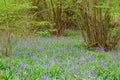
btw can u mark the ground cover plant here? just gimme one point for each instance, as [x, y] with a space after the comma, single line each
[59, 40]
[58, 59]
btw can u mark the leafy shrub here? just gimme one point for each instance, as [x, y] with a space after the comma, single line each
[42, 33]
[71, 33]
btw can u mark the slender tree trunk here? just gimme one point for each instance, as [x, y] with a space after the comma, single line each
[6, 43]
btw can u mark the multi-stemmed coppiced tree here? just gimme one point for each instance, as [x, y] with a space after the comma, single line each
[100, 26]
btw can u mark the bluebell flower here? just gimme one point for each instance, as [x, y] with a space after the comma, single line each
[82, 59]
[74, 60]
[38, 64]
[44, 76]
[21, 78]
[102, 61]
[87, 73]
[113, 55]
[19, 71]
[100, 48]
[23, 64]
[27, 53]
[25, 45]
[119, 50]
[51, 61]
[48, 78]
[81, 39]
[15, 53]
[40, 49]
[94, 72]
[35, 57]
[39, 79]
[78, 69]
[55, 60]
[61, 77]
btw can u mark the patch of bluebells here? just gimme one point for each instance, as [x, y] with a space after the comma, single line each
[38, 55]
[91, 73]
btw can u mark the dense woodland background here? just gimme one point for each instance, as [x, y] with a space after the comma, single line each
[59, 39]
[96, 20]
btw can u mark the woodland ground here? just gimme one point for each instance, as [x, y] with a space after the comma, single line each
[63, 58]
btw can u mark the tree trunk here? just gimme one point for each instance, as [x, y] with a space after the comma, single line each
[5, 44]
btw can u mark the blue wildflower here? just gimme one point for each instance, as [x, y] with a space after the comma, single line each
[39, 79]
[19, 71]
[15, 53]
[40, 49]
[78, 69]
[23, 64]
[87, 73]
[94, 72]
[118, 49]
[35, 57]
[48, 78]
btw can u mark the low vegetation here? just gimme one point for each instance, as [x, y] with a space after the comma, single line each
[58, 59]
[59, 40]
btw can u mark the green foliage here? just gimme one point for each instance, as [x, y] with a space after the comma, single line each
[62, 59]
[14, 13]
[42, 23]
[55, 70]
[71, 33]
[42, 33]
[8, 75]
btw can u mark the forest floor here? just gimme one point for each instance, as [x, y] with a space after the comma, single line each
[58, 59]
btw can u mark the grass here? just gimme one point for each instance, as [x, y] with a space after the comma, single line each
[58, 59]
